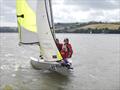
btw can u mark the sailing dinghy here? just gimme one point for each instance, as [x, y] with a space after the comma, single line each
[35, 25]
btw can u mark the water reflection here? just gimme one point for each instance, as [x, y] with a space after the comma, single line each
[31, 79]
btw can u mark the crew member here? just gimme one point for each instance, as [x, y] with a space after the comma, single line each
[69, 48]
[59, 45]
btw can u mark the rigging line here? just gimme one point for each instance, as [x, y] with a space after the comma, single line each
[47, 14]
[49, 23]
[51, 27]
[52, 20]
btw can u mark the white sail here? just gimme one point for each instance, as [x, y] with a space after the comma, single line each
[49, 50]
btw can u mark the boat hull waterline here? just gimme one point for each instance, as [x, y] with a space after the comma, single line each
[39, 64]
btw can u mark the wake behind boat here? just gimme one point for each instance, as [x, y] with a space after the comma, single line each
[35, 26]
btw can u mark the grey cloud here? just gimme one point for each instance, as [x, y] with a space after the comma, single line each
[9, 3]
[94, 4]
[7, 10]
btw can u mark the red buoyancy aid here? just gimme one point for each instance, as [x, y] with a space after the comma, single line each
[59, 46]
[69, 50]
[64, 54]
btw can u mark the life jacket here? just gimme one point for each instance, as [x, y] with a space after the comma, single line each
[69, 50]
[64, 52]
[59, 46]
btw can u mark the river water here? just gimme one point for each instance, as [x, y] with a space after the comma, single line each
[96, 62]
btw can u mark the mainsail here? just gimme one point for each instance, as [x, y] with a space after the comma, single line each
[46, 38]
[35, 24]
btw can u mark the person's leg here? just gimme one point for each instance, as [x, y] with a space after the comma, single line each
[63, 63]
[66, 61]
[68, 64]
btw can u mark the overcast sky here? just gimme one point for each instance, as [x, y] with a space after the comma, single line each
[68, 11]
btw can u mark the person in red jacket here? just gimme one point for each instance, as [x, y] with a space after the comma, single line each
[66, 53]
[69, 48]
[59, 45]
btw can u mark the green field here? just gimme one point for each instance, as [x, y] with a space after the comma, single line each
[101, 26]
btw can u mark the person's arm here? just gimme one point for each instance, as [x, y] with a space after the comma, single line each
[70, 51]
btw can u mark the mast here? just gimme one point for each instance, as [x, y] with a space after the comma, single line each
[53, 28]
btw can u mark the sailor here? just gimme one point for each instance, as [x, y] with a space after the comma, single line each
[66, 53]
[69, 48]
[59, 45]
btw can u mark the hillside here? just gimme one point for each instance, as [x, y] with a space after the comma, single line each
[90, 27]
[102, 26]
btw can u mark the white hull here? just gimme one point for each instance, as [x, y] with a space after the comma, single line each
[52, 66]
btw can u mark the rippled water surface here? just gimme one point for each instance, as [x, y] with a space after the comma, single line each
[96, 62]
